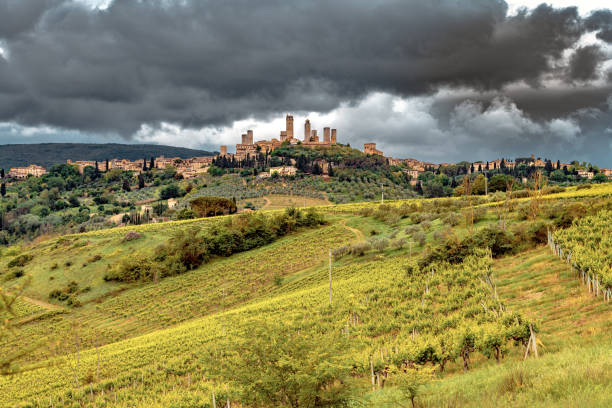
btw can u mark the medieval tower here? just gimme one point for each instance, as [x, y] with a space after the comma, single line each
[289, 127]
[307, 131]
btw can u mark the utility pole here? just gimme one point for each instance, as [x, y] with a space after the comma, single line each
[330, 278]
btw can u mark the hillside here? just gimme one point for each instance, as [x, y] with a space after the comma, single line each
[397, 312]
[48, 154]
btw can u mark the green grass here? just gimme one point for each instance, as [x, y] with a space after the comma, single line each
[165, 332]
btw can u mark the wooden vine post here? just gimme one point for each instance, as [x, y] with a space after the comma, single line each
[531, 344]
[330, 277]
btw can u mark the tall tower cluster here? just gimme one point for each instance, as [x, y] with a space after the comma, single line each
[330, 136]
[249, 148]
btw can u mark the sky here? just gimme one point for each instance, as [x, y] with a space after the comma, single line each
[443, 80]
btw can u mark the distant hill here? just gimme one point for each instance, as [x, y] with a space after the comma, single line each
[48, 154]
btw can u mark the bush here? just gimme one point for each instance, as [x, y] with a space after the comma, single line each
[14, 274]
[186, 214]
[21, 260]
[583, 186]
[67, 292]
[454, 250]
[131, 236]
[452, 219]
[419, 237]
[399, 243]
[360, 248]
[131, 269]
[380, 244]
[94, 258]
[340, 252]
[73, 301]
[426, 225]
[212, 206]
[188, 248]
[171, 191]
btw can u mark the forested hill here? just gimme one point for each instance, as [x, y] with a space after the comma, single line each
[48, 154]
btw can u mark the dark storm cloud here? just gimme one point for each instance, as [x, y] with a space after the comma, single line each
[17, 16]
[200, 63]
[584, 62]
[601, 21]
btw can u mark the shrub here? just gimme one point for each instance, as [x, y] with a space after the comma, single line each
[340, 252]
[419, 237]
[399, 243]
[366, 212]
[21, 260]
[186, 214]
[479, 214]
[131, 269]
[380, 244]
[452, 219]
[212, 206]
[360, 248]
[131, 236]
[67, 292]
[583, 186]
[94, 258]
[73, 301]
[14, 274]
[426, 225]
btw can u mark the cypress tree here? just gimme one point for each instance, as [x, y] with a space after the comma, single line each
[107, 166]
[152, 164]
[3, 189]
[144, 164]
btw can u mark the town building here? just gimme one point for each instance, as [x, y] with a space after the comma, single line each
[586, 174]
[370, 148]
[81, 164]
[283, 170]
[23, 172]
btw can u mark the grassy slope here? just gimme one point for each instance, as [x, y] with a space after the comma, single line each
[530, 282]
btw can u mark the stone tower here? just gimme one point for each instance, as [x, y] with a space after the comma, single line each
[307, 131]
[334, 135]
[314, 137]
[326, 135]
[289, 126]
[249, 139]
[223, 151]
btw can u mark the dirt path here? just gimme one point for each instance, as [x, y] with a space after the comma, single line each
[358, 234]
[42, 304]
[267, 204]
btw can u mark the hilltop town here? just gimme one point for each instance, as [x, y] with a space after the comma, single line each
[248, 149]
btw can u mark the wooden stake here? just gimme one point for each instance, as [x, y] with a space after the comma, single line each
[214, 401]
[372, 374]
[527, 349]
[330, 277]
[223, 307]
[76, 337]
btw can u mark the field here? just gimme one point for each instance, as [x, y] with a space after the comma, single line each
[397, 327]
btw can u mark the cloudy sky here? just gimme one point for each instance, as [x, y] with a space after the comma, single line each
[442, 80]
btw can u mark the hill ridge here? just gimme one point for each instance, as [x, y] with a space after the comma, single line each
[48, 154]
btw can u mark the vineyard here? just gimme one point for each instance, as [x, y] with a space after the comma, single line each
[587, 247]
[441, 302]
